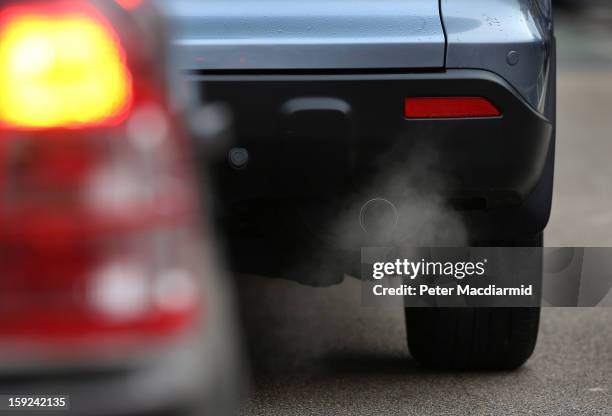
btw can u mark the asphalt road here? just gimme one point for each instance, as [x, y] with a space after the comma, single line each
[318, 351]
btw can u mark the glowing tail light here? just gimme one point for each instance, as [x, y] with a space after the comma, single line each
[449, 107]
[61, 66]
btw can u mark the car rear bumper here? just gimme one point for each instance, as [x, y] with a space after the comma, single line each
[322, 144]
[323, 135]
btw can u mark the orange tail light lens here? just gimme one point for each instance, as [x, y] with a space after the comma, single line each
[61, 66]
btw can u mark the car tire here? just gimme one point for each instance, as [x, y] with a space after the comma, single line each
[473, 339]
[469, 339]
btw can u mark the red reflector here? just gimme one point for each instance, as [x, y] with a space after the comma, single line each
[449, 107]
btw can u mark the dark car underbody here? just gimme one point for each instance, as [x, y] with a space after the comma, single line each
[319, 142]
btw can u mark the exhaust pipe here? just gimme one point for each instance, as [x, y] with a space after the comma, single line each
[379, 218]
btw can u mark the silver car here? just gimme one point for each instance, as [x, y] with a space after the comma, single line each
[443, 108]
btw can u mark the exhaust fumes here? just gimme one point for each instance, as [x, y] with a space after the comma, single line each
[403, 206]
[407, 206]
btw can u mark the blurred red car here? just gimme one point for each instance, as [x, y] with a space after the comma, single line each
[109, 296]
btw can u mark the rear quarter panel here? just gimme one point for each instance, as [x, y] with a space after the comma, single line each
[512, 38]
